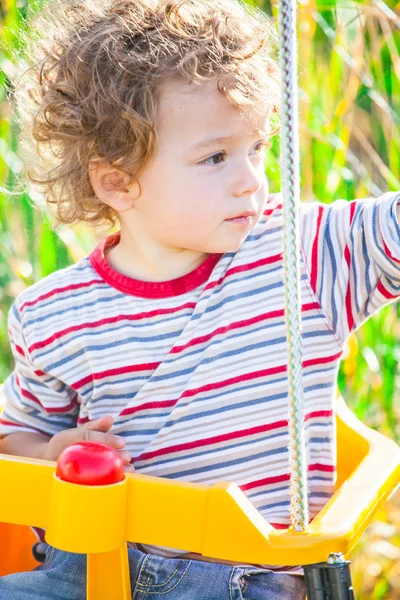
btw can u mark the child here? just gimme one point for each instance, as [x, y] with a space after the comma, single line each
[168, 342]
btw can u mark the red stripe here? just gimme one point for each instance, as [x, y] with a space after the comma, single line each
[12, 424]
[353, 206]
[310, 306]
[347, 256]
[349, 313]
[147, 405]
[236, 325]
[269, 211]
[266, 481]
[348, 303]
[4, 422]
[19, 350]
[60, 290]
[318, 413]
[389, 254]
[314, 254]
[40, 373]
[246, 267]
[285, 477]
[62, 409]
[321, 467]
[29, 395]
[240, 325]
[50, 410]
[112, 372]
[109, 321]
[206, 388]
[239, 379]
[385, 292]
[321, 360]
[212, 440]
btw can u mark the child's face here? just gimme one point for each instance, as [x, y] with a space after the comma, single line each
[192, 191]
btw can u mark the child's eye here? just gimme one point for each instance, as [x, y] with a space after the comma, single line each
[215, 159]
[260, 147]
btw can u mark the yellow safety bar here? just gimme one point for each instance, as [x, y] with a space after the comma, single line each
[99, 520]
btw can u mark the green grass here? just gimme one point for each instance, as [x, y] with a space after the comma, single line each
[349, 75]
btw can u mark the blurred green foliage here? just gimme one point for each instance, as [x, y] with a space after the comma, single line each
[349, 75]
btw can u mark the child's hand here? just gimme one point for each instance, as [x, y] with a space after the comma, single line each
[95, 431]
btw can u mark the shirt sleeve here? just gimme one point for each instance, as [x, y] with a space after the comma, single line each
[34, 401]
[352, 252]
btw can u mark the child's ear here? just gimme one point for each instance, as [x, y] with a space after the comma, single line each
[112, 186]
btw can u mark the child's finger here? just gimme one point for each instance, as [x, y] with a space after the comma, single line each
[129, 469]
[103, 424]
[89, 435]
[126, 457]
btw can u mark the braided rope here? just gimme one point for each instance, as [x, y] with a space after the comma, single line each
[291, 200]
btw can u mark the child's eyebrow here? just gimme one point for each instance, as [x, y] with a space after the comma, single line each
[213, 141]
[219, 140]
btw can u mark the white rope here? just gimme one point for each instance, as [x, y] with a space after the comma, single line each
[291, 200]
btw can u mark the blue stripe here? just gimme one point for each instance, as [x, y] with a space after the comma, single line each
[217, 340]
[266, 507]
[226, 408]
[84, 333]
[356, 218]
[68, 295]
[334, 314]
[261, 493]
[367, 280]
[319, 386]
[311, 424]
[313, 334]
[224, 464]
[72, 309]
[214, 450]
[243, 388]
[257, 236]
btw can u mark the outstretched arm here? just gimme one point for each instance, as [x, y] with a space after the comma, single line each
[352, 253]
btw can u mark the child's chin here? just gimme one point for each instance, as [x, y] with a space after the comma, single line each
[231, 247]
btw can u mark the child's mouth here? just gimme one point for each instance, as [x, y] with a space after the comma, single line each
[244, 219]
[240, 220]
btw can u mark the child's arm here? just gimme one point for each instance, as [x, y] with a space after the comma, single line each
[352, 251]
[40, 412]
[32, 445]
[38, 445]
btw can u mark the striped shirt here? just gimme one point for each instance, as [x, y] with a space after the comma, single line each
[194, 369]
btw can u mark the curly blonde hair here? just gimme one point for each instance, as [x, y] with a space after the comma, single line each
[93, 70]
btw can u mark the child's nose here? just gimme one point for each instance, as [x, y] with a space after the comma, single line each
[247, 179]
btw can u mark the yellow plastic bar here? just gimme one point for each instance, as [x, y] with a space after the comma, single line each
[108, 576]
[216, 521]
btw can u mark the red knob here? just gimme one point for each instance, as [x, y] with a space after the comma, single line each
[90, 463]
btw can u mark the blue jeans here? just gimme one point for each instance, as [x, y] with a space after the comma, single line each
[63, 577]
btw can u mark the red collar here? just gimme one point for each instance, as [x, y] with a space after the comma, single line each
[148, 289]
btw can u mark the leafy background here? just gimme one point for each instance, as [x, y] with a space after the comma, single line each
[349, 75]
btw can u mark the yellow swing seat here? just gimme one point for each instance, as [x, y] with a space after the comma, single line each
[194, 517]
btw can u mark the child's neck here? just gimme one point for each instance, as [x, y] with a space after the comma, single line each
[151, 262]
